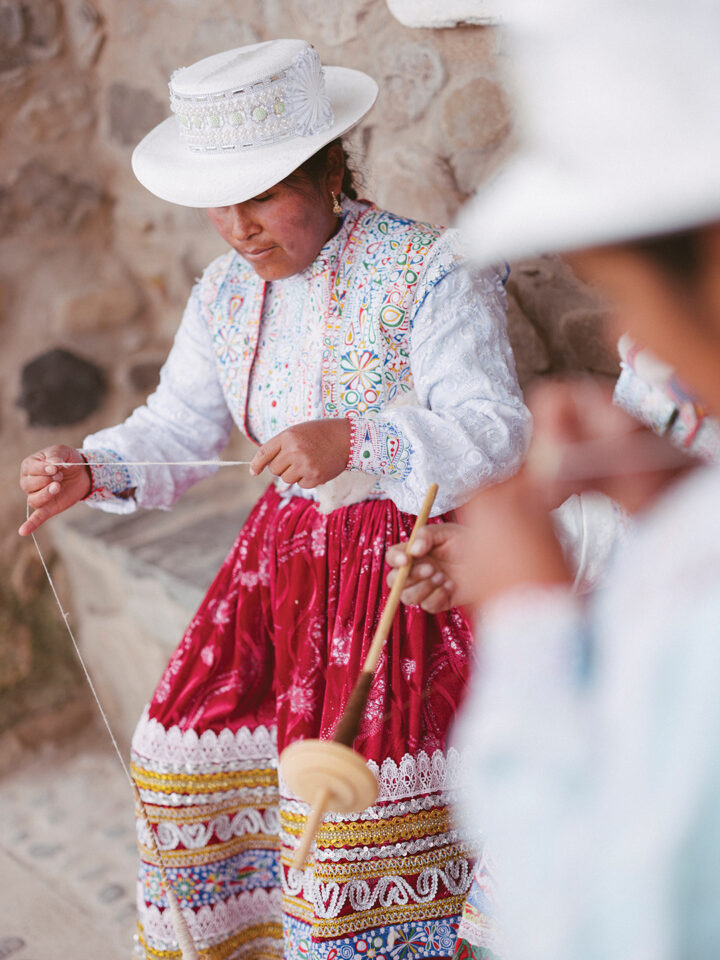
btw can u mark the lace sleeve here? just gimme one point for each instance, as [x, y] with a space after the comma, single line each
[186, 418]
[468, 425]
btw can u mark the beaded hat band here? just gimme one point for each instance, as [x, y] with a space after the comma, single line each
[244, 119]
[291, 103]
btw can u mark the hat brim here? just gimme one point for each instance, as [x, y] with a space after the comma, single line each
[171, 171]
[535, 206]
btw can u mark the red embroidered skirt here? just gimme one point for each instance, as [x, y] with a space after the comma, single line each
[271, 657]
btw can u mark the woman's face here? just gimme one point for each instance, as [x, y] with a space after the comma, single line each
[678, 320]
[281, 231]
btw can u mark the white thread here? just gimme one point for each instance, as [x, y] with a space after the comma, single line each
[182, 932]
[155, 463]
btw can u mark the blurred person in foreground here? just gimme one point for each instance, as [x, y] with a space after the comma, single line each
[594, 726]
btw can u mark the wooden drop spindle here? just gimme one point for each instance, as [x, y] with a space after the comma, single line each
[328, 774]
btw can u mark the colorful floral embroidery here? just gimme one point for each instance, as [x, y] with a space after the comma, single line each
[379, 448]
[401, 941]
[365, 285]
[111, 477]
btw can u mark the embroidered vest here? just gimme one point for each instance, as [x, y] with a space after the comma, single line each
[383, 270]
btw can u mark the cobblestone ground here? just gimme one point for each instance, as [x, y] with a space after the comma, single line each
[67, 855]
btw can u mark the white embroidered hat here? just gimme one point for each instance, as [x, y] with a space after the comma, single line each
[619, 126]
[245, 119]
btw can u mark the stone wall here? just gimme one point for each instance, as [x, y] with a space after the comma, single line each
[91, 264]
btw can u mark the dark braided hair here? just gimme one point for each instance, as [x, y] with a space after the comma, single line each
[315, 167]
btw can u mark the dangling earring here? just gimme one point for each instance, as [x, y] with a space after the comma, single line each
[337, 209]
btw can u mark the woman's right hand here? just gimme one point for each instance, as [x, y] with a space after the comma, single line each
[442, 575]
[51, 489]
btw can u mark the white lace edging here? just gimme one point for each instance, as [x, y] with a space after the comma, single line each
[195, 836]
[328, 899]
[407, 848]
[211, 924]
[262, 796]
[422, 773]
[153, 742]
[414, 775]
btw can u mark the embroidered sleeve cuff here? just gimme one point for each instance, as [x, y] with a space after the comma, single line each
[110, 476]
[378, 448]
[648, 403]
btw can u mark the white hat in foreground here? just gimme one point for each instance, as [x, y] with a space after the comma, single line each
[245, 119]
[619, 116]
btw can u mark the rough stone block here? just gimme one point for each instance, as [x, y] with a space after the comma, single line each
[108, 303]
[411, 74]
[145, 376]
[40, 198]
[30, 30]
[218, 33]
[585, 339]
[86, 30]
[476, 116]
[547, 291]
[334, 23]
[59, 388]
[16, 657]
[54, 114]
[27, 575]
[132, 113]
[476, 121]
[403, 175]
[531, 353]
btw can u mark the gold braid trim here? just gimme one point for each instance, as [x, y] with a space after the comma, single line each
[211, 853]
[203, 782]
[353, 923]
[363, 833]
[407, 866]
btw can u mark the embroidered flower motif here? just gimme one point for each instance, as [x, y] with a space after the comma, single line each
[300, 698]
[229, 345]
[371, 947]
[248, 579]
[213, 883]
[222, 613]
[360, 371]
[306, 99]
[207, 655]
[340, 649]
[407, 943]
[153, 885]
[184, 888]
[408, 668]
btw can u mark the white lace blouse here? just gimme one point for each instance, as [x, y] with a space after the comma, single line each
[466, 426]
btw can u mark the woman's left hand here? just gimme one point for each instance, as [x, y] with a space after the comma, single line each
[308, 454]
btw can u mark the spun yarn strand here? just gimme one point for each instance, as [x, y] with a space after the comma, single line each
[182, 931]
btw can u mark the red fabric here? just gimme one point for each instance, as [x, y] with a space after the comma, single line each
[283, 631]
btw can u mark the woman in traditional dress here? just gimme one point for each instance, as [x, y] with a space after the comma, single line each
[367, 361]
